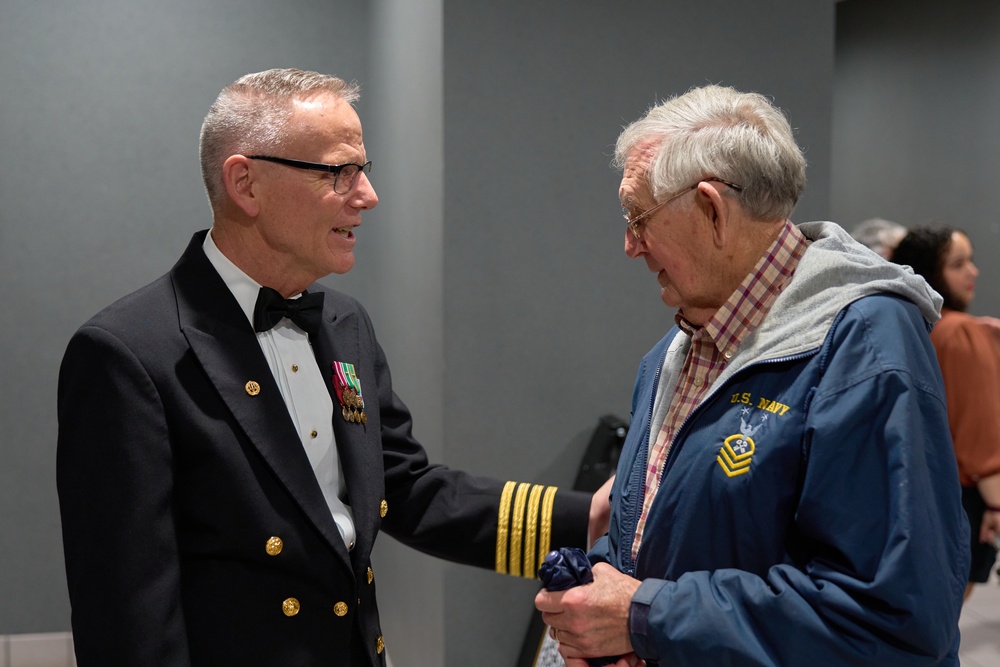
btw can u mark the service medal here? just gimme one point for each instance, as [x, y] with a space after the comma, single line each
[348, 388]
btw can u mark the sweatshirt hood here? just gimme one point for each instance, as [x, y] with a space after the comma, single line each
[834, 272]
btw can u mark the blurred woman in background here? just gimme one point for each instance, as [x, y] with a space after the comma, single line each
[970, 364]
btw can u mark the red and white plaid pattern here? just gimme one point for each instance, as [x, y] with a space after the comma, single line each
[715, 344]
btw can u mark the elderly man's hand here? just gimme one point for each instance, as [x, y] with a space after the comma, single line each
[591, 621]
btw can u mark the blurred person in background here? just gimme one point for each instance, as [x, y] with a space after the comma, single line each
[970, 363]
[880, 235]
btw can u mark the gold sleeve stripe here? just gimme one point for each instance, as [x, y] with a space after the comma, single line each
[524, 528]
[503, 526]
[517, 531]
[545, 534]
[531, 537]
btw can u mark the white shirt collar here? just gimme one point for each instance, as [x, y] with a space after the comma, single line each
[243, 287]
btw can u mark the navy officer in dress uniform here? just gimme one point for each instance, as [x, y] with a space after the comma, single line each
[229, 434]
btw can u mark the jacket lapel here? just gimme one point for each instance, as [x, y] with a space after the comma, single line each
[357, 443]
[227, 349]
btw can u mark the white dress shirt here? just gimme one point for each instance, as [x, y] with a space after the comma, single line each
[310, 406]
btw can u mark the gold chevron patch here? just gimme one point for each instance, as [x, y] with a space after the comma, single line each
[735, 455]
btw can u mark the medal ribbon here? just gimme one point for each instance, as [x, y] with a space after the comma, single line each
[348, 388]
[346, 378]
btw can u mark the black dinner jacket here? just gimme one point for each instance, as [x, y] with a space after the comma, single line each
[194, 529]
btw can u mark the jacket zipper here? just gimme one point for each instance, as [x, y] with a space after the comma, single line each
[630, 568]
[633, 564]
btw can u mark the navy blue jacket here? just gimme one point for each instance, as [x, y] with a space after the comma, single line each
[809, 510]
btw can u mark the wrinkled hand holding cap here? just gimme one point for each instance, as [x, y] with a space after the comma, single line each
[565, 568]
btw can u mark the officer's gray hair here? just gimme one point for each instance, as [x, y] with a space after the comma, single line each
[250, 115]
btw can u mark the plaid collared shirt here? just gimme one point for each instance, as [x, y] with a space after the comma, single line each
[715, 344]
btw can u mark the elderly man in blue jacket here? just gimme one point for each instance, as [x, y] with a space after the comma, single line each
[787, 494]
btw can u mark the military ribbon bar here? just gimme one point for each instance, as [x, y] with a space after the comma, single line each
[348, 388]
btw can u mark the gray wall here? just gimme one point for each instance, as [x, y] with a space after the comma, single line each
[404, 274]
[493, 267]
[915, 130]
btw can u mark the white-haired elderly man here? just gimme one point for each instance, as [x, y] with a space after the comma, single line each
[787, 494]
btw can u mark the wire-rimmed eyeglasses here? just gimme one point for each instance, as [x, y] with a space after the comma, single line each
[344, 174]
[634, 223]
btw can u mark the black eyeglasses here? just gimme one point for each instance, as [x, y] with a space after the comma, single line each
[633, 223]
[345, 174]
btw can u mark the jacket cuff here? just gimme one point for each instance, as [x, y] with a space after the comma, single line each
[571, 518]
[534, 519]
[638, 619]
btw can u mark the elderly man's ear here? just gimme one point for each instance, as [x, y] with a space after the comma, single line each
[717, 211]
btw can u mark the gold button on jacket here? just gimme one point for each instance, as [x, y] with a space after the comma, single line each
[371, 576]
[340, 609]
[290, 607]
[379, 645]
[383, 509]
[274, 546]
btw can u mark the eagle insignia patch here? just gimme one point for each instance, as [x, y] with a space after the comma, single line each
[737, 450]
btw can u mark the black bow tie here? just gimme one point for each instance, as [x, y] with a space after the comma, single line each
[306, 311]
